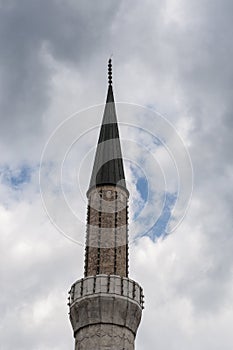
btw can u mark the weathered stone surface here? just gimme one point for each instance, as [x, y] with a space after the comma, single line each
[104, 337]
[110, 309]
[107, 232]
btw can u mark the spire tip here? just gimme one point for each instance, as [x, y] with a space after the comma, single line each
[110, 71]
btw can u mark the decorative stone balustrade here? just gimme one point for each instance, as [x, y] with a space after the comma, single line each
[106, 285]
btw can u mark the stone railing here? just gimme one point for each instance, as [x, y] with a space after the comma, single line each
[106, 285]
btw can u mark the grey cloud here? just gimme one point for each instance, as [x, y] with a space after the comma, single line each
[72, 32]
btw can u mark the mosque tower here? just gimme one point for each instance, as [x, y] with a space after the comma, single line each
[105, 305]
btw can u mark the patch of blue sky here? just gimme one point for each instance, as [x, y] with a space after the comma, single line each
[141, 183]
[16, 177]
[159, 228]
[142, 187]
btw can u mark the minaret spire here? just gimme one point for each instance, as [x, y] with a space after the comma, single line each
[108, 165]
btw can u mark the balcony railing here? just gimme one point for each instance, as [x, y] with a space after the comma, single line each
[106, 285]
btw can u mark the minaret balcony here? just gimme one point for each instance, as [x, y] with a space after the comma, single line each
[107, 299]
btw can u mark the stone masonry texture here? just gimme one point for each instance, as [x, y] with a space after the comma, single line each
[104, 337]
[107, 232]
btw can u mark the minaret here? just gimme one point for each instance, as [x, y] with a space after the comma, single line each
[105, 305]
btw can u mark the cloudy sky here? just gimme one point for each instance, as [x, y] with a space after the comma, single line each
[173, 57]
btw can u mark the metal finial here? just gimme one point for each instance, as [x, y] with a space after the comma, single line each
[110, 71]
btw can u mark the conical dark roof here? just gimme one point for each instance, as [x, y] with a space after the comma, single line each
[108, 165]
